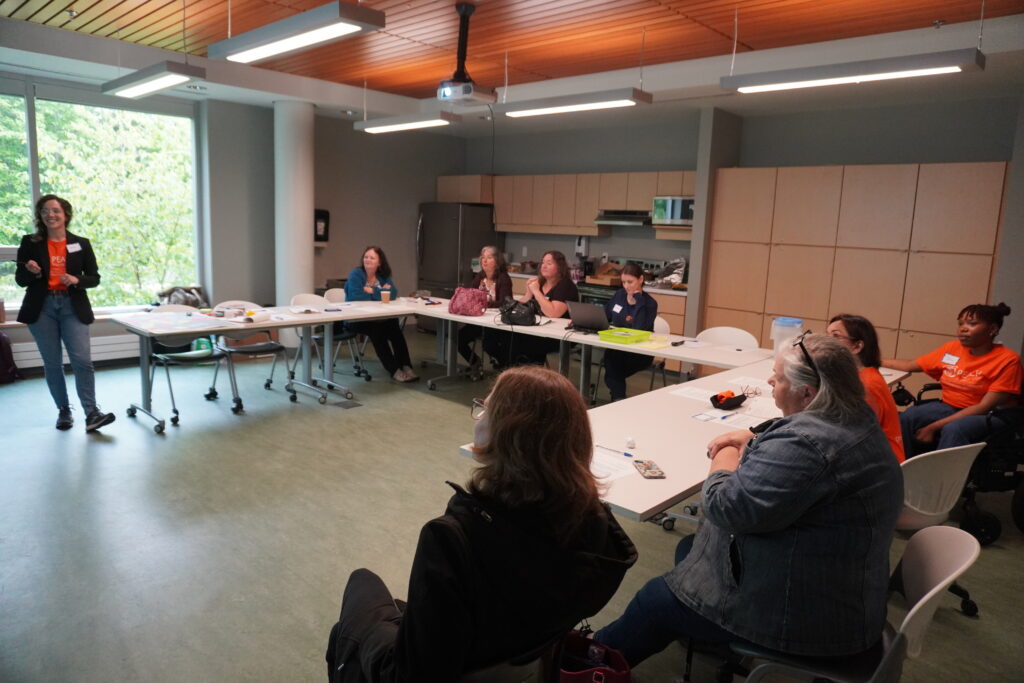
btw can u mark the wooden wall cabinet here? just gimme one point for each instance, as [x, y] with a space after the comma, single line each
[877, 206]
[938, 286]
[614, 187]
[807, 205]
[640, 191]
[543, 200]
[564, 209]
[519, 286]
[675, 183]
[799, 281]
[504, 193]
[957, 208]
[864, 282]
[588, 194]
[743, 205]
[737, 276]
[466, 188]
[522, 199]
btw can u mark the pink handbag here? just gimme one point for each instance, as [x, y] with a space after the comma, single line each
[468, 301]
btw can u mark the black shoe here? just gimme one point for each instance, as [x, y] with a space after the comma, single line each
[97, 418]
[64, 419]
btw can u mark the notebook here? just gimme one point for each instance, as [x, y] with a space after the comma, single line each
[587, 317]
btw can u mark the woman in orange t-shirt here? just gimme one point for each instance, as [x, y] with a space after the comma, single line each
[858, 334]
[976, 375]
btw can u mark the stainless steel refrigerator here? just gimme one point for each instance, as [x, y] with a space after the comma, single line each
[449, 236]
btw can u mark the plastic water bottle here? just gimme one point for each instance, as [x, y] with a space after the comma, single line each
[784, 329]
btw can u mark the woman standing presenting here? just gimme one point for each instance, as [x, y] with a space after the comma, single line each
[366, 283]
[634, 308]
[56, 267]
[493, 278]
[976, 375]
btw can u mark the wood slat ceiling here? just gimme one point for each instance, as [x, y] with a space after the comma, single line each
[542, 38]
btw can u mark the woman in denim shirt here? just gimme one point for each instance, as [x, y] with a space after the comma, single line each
[792, 551]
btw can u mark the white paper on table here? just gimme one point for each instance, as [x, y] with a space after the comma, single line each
[283, 316]
[692, 392]
[761, 406]
[304, 309]
[607, 467]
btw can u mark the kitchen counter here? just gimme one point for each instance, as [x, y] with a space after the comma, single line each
[649, 290]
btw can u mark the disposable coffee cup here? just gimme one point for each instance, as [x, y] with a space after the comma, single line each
[385, 296]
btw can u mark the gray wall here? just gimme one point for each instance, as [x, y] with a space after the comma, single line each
[237, 166]
[977, 130]
[373, 186]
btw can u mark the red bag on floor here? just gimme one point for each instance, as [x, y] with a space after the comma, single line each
[584, 661]
[468, 301]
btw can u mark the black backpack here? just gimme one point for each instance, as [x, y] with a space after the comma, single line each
[8, 370]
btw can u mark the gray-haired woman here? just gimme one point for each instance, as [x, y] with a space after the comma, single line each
[792, 551]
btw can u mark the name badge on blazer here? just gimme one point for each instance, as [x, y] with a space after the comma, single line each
[950, 359]
[73, 247]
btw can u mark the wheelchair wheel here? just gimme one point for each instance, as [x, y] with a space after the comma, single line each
[984, 526]
[1017, 506]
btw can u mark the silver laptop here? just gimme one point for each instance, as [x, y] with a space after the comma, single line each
[587, 317]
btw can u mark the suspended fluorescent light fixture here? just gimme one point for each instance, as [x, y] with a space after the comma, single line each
[911, 66]
[318, 26]
[393, 124]
[147, 81]
[564, 104]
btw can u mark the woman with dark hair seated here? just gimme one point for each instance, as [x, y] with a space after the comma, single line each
[371, 281]
[634, 308]
[792, 549]
[516, 560]
[493, 278]
[858, 334]
[549, 291]
[976, 375]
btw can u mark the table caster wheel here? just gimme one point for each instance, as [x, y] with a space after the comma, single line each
[237, 408]
[174, 421]
[131, 412]
[313, 382]
[668, 524]
[690, 510]
[349, 395]
[322, 400]
[158, 428]
[266, 385]
[293, 397]
[210, 395]
[984, 526]
[969, 608]
[367, 377]
[431, 386]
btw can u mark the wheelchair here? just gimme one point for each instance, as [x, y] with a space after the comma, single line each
[996, 469]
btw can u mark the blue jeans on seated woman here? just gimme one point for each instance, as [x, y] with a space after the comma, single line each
[58, 323]
[959, 432]
[655, 618]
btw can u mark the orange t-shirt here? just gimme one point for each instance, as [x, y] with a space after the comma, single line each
[58, 262]
[966, 378]
[878, 396]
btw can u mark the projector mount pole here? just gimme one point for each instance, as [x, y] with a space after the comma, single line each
[465, 11]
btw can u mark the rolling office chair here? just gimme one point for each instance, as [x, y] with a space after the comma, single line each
[350, 338]
[251, 350]
[933, 559]
[661, 327]
[168, 355]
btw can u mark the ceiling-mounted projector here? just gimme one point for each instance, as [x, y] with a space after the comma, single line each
[464, 91]
[460, 87]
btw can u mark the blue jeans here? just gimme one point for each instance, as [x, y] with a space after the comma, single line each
[959, 432]
[655, 618]
[58, 323]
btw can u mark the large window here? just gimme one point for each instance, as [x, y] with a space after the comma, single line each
[129, 176]
[15, 191]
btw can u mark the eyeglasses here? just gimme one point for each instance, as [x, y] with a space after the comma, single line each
[479, 407]
[44, 212]
[807, 356]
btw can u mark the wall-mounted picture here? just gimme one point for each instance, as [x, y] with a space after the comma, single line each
[321, 225]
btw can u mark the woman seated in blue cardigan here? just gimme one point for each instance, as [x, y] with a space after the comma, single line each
[365, 283]
[634, 308]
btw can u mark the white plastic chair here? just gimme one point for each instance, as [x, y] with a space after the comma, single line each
[933, 483]
[728, 336]
[932, 561]
[257, 349]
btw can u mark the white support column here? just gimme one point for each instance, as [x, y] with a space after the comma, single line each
[293, 199]
[293, 203]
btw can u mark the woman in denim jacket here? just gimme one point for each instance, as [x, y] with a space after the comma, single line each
[792, 551]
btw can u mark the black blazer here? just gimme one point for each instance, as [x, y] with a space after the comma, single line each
[81, 264]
